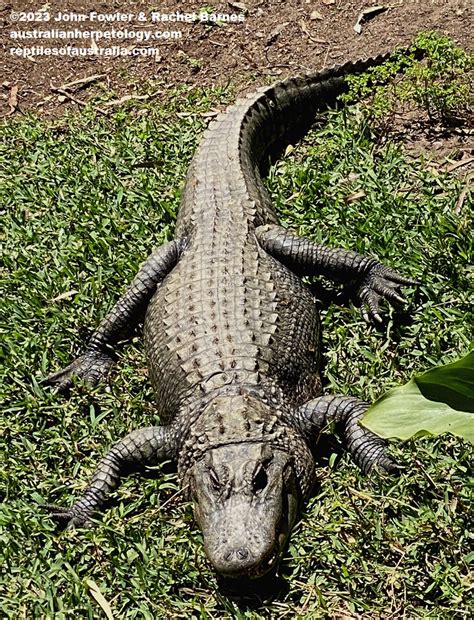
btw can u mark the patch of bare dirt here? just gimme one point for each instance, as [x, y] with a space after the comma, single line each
[274, 39]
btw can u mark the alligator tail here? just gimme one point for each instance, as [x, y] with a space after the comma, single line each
[281, 114]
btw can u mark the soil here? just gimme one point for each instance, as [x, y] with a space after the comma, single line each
[276, 38]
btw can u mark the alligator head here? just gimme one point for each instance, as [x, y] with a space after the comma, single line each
[247, 481]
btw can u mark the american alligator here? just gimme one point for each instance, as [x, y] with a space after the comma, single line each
[232, 338]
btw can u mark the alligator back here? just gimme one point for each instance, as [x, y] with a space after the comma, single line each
[230, 314]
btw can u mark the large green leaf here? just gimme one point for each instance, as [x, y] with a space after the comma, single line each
[439, 401]
[452, 384]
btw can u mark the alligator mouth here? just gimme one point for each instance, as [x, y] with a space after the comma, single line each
[257, 570]
[281, 538]
[265, 566]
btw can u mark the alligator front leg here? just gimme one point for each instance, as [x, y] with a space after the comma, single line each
[345, 412]
[96, 360]
[375, 281]
[142, 448]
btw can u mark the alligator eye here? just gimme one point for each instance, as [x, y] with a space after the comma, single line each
[216, 485]
[260, 480]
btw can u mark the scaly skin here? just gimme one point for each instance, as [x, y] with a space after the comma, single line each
[232, 339]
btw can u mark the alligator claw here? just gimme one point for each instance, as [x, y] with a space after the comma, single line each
[380, 283]
[66, 518]
[92, 366]
[61, 515]
[386, 465]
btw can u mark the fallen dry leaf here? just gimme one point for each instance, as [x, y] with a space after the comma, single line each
[276, 33]
[461, 199]
[100, 598]
[65, 295]
[316, 15]
[368, 14]
[238, 5]
[355, 196]
[12, 98]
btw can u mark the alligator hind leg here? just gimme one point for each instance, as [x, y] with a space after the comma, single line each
[375, 281]
[345, 412]
[96, 360]
[142, 448]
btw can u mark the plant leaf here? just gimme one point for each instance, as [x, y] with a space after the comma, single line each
[100, 598]
[452, 384]
[439, 401]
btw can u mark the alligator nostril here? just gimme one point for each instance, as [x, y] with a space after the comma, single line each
[240, 554]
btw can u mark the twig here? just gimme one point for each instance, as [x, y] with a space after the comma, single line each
[326, 56]
[65, 93]
[126, 98]
[217, 43]
[306, 31]
[83, 82]
[458, 164]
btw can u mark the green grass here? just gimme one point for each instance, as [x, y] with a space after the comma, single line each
[85, 198]
[439, 89]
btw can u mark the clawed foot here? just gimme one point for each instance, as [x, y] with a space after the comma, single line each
[380, 283]
[92, 366]
[67, 518]
[385, 465]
